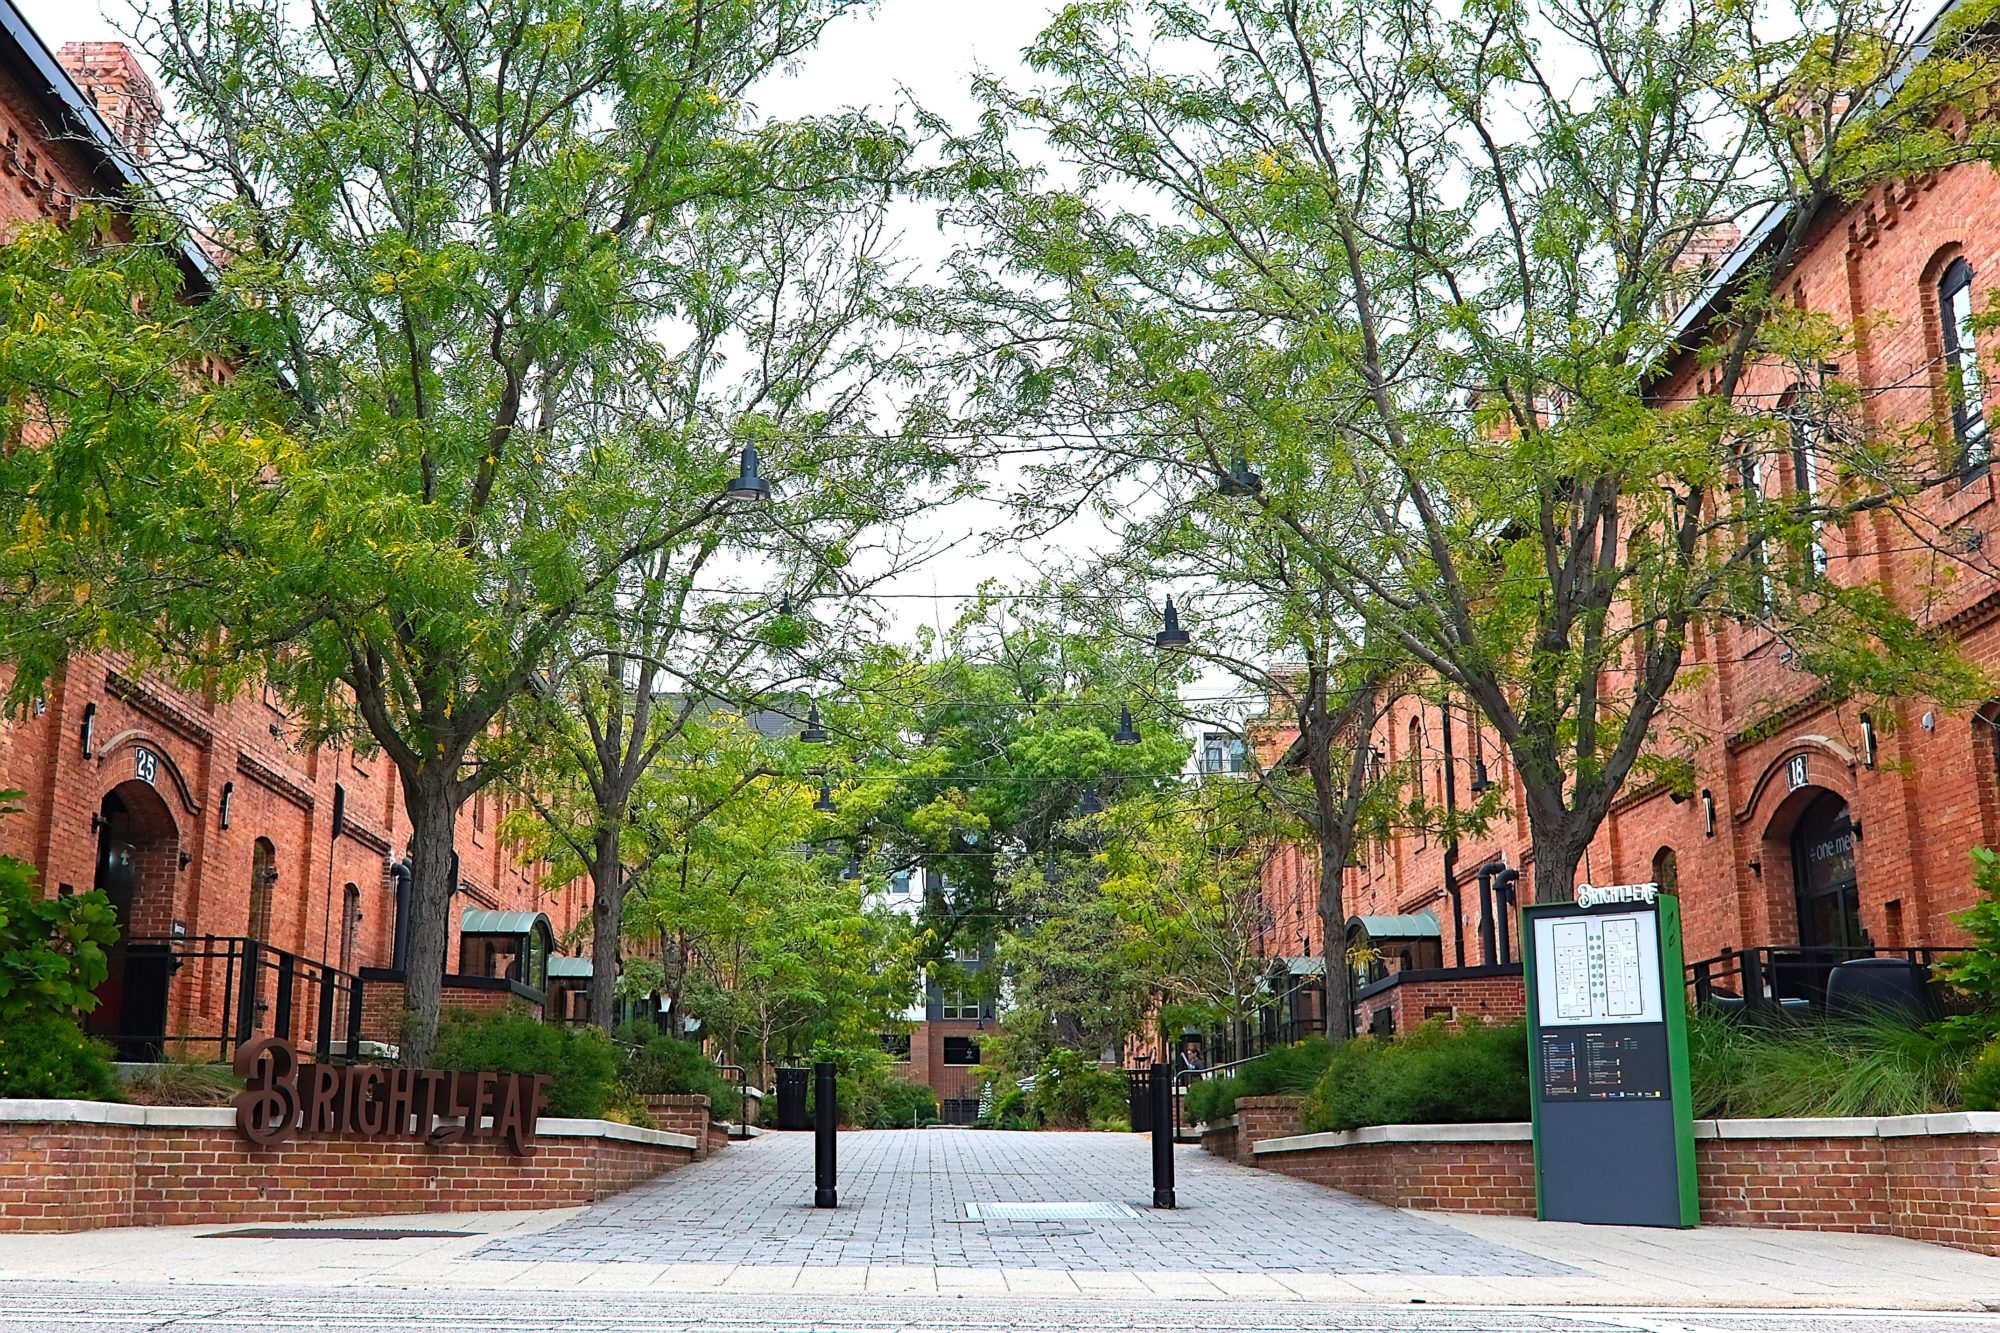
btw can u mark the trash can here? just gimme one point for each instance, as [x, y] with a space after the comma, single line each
[1140, 1105]
[792, 1085]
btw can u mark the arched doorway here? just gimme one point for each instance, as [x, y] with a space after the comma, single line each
[138, 847]
[1823, 876]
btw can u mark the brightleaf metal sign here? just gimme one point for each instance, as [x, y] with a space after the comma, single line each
[287, 1099]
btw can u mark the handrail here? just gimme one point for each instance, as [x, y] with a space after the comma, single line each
[1771, 974]
[263, 991]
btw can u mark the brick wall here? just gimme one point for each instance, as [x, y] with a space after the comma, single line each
[1255, 1119]
[1927, 1178]
[1470, 995]
[67, 1176]
[382, 1001]
[687, 1113]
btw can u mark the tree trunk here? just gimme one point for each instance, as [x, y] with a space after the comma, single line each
[1337, 984]
[1556, 859]
[433, 810]
[607, 923]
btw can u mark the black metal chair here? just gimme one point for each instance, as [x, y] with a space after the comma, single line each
[1893, 987]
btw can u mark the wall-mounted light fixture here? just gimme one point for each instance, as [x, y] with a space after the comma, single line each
[1757, 869]
[222, 806]
[1867, 741]
[88, 731]
[1707, 812]
[185, 858]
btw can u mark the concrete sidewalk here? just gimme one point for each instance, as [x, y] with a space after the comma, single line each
[1615, 1267]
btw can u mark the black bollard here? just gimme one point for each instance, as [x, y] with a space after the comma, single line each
[1163, 1135]
[826, 1110]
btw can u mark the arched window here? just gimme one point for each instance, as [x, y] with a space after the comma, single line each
[1964, 384]
[350, 923]
[1667, 870]
[263, 880]
[1807, 442]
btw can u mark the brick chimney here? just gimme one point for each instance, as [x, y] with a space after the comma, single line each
[110, 77]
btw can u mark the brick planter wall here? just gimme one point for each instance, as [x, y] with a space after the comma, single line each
[687, 1113]
[1219, 1137]
[1256, 1119]
[73, 1166]
[1458, 995]
[1931, 1178]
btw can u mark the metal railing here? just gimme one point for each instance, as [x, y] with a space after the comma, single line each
[741, 1124]
[212, 993]
[1775, 975]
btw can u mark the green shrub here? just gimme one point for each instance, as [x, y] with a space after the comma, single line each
[1975, 972]
[1860, 1065]
[52, 950]
[1979, 1086]
[1212, 1099]
[580, 1062]
[897, 1104]
[46, 1054]
[1073, 1092]
[1286, 1070]
[658, 1063]
[1011, 1110]
[1434, 1075]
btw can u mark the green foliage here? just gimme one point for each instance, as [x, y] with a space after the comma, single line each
[1286, 1069]
[52, 949]
[1072, 1091]
[657, 1063]
[581, 1063]
[1433, 1075]
[1212, 1098]
[179, 1079]
[900, 1105]
[1283, 1070]
[46, 1054]
[1861, 1065]
[1010, 1110]
[1979, 1085]
[490, 354]
[1976, 970]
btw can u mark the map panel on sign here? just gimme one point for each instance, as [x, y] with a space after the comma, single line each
[1595, 968]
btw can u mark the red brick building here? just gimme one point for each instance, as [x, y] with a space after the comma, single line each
[1809, 824]
[201, 818]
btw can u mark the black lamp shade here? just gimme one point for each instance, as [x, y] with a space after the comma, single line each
[825, 803]
[1088, 804]
[1127, 734]
[1171, 634]
[1238, 481]
[814, 733]
[747, 487]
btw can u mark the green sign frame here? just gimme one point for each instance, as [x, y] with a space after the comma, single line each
[1615, 1157]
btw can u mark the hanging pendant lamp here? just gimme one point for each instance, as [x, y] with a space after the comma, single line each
[747, 487]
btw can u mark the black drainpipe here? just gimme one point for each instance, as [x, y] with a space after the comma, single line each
[1503, 890]
[1486, 874]
[400, 872]
[1451, 847]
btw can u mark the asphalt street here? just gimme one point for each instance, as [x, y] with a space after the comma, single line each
[76, 1307]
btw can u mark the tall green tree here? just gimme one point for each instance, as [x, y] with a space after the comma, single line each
[438, 410]
[792, 333]
[1436, 262]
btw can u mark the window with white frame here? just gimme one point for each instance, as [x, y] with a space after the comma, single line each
[1964, 382]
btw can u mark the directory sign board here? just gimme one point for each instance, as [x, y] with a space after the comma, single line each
[1614, 1136]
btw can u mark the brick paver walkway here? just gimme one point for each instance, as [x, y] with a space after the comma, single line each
[903, 1196]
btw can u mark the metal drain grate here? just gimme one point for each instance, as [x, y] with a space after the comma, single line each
[1048, 1212]
[330, 1233]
